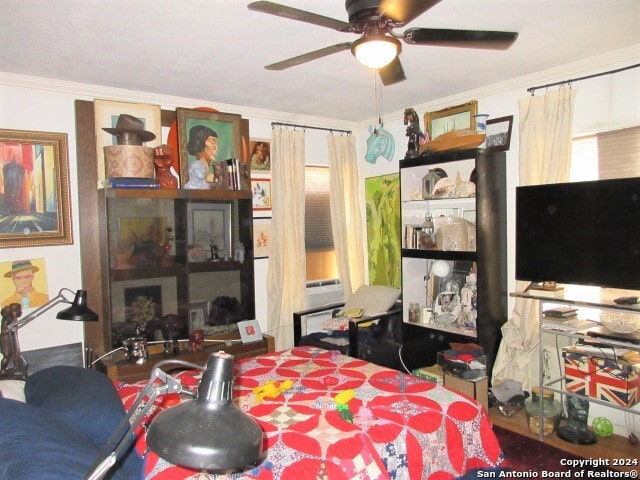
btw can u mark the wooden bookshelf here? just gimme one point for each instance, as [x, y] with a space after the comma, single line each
[613, 448]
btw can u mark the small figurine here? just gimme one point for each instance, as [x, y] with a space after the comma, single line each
[197, 174]
[196, 340]
[163, 162]
[214, 252]
[10, 314]
[413, 132]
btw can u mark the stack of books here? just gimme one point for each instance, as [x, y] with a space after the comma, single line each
[233, 173]
[565, 319]
[128, 182]
[561, 312]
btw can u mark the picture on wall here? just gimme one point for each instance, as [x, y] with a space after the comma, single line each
[382, 196]
[261, 237]
[24, 281]
[261, 195]
[499, 133]
[260, 150]
[35, 208]
[209, 138]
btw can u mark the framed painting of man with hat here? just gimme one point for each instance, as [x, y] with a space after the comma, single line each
[34, 189]
[210, 138]
[24, 282]
[125, 123]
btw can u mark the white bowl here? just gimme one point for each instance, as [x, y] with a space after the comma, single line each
[620, 322]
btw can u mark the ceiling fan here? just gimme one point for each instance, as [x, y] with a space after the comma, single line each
[378, 46]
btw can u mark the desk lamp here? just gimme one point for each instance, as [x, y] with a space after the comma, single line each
[208, 432]
[78, 311]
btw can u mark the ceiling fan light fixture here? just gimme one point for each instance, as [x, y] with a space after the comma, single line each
[376, 51]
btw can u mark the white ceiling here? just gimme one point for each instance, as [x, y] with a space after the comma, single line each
[215, 50]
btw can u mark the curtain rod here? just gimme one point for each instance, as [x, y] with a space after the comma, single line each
[533, 89]
[279, 124]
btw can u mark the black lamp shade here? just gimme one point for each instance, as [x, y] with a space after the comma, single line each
[210, 432]
[78, 310]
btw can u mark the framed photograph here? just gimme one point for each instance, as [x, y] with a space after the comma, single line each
[449, 119]
[260, 151]
[207, 137]
[250, 331]
[499, 134]
[261, 237]
[106, 113]
[143, 304]
[209, 225]
[198, 314]
[261, 194]
[36, 204]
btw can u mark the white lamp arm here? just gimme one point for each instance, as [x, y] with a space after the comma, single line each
[118, 442]
[59, 298]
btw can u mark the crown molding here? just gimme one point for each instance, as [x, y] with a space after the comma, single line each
[86, 91]
[606, 61]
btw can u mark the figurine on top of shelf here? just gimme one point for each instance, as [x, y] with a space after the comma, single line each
[196, 340]
[215, 257]
[163, 161]
[413, 132]
[197, 174]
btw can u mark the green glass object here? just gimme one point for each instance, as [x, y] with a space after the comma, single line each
[551, 408]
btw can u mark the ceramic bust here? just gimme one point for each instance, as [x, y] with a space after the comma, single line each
[197, 174]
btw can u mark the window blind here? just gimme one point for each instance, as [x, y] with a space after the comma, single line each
[318, 232]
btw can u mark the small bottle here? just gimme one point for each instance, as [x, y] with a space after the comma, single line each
[551, 410]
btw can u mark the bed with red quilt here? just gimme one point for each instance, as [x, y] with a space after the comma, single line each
[402, 427]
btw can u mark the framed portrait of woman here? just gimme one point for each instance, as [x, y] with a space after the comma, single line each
[210, 138]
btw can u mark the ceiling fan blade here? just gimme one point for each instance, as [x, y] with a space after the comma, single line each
[307, 57]
[441, 37]
[402, 12]
[392, 73]
[300, 15]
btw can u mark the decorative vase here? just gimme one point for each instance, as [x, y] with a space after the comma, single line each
[481, 126]
[551, 410]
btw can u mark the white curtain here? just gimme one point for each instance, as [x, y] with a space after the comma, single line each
[346, 220]
[545, 157]
[286, 271]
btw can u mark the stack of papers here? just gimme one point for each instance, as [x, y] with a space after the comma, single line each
[568, 325]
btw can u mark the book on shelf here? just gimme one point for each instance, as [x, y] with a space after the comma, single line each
[573, 324]
[561, 312]
[232, 173]
[128, 182]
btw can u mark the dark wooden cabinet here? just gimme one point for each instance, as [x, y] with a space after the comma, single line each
[113, 219]
[461, 222]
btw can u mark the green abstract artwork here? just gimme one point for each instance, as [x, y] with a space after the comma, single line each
[383, 229]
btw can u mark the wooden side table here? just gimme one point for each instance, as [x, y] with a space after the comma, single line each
[118, 367]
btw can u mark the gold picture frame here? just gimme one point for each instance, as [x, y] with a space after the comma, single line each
[459, 117]
[35, 184]
[106, 113]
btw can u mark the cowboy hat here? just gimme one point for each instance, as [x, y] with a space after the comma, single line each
[20, 266]
[128, 124]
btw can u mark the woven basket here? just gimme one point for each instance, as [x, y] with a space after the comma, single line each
[128, 161]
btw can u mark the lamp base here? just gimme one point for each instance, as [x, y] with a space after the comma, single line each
[581, 438]
[13, 374]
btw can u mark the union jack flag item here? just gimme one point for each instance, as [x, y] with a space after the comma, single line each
[610, 379]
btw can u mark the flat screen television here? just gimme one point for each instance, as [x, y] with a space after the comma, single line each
[583, 233]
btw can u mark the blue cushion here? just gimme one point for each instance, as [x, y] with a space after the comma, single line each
[85, 400]
[35, 444]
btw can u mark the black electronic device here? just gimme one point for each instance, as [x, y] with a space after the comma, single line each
[627, 300]
[583, 233]
[603, 332]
